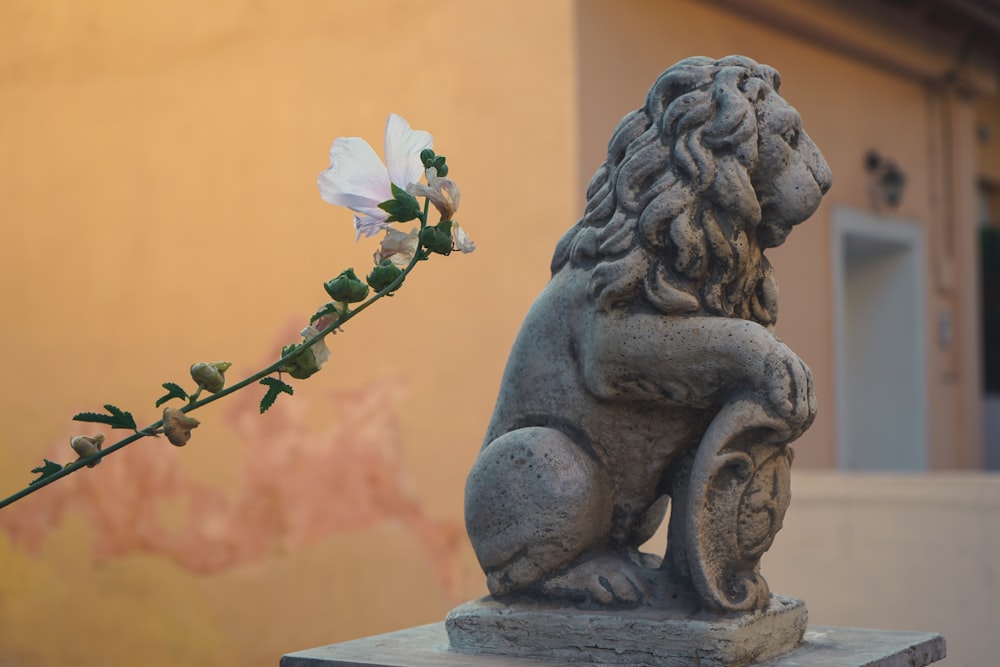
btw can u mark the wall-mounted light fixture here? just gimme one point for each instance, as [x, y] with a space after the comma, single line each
[886, 181]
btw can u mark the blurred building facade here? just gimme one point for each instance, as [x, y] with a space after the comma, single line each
[882, 288]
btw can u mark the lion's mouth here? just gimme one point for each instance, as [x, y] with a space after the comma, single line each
[772, 233]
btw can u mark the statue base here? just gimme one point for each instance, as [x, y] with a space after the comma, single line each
[642, 635]
[822, 646]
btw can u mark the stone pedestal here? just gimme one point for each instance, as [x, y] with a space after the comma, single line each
[644, 635]
[822, 646]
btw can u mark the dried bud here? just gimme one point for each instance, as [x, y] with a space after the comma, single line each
[398, 247]
[442, 192]
[86, 446]
[462, 241]
[177, 426]
[306, 362]
[210, 377]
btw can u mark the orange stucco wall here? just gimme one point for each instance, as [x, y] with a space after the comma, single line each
[159, 208]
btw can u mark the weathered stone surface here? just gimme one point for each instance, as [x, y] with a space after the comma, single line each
[427, 646]
[648, 373]
[643, 635]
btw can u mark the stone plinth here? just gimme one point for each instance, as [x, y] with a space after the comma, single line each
[822, 646]
[648, 636]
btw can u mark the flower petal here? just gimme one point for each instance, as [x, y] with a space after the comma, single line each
[398, 247]
[443, 193]
[402, 151]
[356, 177]
[369, 225]
[320, 352]
[461, 239]
[421, 190]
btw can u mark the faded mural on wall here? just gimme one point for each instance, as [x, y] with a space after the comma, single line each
[298, 485]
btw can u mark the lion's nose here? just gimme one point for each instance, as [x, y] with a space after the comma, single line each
[821, 172]
[817, 163]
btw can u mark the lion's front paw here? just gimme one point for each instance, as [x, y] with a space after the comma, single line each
[791, 392]
[601, 581]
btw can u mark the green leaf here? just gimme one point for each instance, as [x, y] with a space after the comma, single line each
[402, 208]
[399, 193]
[173, 391]
[117, 418]
[48, 469]
[274, 388]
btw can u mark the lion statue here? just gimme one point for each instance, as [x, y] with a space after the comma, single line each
[647, 371]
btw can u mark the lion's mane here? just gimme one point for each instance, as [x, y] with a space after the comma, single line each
[671, 214]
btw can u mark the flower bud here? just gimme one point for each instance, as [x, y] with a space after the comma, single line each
[440, 165]
[210, 377]
[87, 445]
[383, 275]
[427, 157]
[437, 238]
[346, 287]
[177, 426]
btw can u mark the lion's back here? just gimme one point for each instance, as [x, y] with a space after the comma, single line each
[543, 383]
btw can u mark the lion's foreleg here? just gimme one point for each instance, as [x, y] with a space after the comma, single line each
[700, 362]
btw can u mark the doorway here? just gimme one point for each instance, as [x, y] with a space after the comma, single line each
[880, 342]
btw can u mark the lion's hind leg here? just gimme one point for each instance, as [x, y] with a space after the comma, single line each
[534, 502]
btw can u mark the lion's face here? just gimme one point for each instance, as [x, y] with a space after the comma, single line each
[698, 182]
[791, 175]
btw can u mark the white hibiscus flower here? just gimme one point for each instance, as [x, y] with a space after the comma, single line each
[358, 180]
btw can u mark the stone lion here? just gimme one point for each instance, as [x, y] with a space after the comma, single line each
[648, 370]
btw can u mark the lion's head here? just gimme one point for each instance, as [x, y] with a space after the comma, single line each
[711, 171]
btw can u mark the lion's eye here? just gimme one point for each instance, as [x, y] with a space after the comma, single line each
[791, 137]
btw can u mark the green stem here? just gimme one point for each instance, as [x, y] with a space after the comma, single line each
[194, 404]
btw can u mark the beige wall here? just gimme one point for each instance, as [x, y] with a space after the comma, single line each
[899, 552]
[893, 551]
